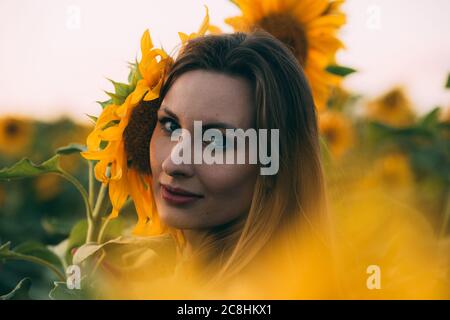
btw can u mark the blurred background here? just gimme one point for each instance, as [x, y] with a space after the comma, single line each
[385, 125]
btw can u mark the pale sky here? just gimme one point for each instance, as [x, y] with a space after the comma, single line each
[56, 54]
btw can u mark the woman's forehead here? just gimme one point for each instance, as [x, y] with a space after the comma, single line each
[211, 97]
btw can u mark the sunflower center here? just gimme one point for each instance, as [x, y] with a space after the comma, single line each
[288, 30]
[331, 136]
[392, 100]
[11, 129]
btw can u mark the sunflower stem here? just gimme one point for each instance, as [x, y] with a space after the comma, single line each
[95, 225]
[91, 183]
[102, 232]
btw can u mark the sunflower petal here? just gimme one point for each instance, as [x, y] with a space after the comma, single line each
[118, 194]
[307, 10]
[146, 42]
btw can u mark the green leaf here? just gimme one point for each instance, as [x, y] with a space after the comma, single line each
[20, 292]
[340, 70]
[61, 292]
[4, 248]
[116, 99]
[76, 238]
[431, 119]
[448, 82]
[121, 89]
[93, 118]
[36, 249]
[25, 169]
[134, 76]
[35, 253]
[104, 104]
[71, 149]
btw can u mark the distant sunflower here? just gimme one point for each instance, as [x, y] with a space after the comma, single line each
[47, 186]
[337, 131]
[393, 108]
[15, 135]
[308, 27]
[394, 170]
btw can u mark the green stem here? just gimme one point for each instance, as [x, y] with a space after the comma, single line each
[94, 228]
[81, 189]
[100, 197]
[91, 183]
[101, 235]
[41, 262]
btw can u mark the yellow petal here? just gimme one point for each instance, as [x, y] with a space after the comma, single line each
[332, 20]
[111, 134]
[154, 93]
[146, 42]
[238, 23]
[140, 187]
[205, 24]
[214, 29]
[307, 10]
[100, 171]
[118, 194]
[183, 37]
[138, 93]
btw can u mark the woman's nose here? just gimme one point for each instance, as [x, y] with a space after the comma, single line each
[172, 165]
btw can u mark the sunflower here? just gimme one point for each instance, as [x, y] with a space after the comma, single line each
[337, 131]
[392, 171]
[15, 135]
[106, 145]
[308, 27]
[392, 108]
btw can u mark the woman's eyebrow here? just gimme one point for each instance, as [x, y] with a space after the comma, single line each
[219, 125]
[209, 125]
[169, 112]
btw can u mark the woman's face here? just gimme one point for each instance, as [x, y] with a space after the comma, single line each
[201, 196]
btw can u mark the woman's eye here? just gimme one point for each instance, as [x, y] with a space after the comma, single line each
[169, 125]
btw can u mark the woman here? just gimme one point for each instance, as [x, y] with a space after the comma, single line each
[230, 214]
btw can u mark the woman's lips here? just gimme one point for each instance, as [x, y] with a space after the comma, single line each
[178, 196]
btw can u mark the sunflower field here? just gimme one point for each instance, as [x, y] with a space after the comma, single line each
[387, 166]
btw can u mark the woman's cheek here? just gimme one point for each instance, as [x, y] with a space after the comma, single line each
[221, 179]
[160, 147]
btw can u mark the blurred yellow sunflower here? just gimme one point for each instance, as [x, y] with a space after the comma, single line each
[15, 135]
[308, 27]
[47, 186]
[105, 143]
[392, 171]
[337, 131]
[393, 108]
